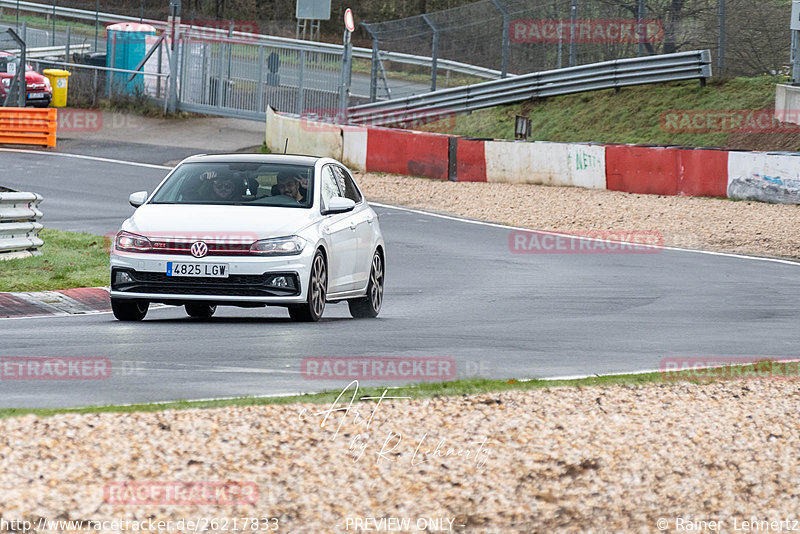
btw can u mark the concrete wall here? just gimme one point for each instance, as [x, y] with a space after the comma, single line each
[304, 136]
[764, 177]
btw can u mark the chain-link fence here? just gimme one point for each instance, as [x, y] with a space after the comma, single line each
[523, 36]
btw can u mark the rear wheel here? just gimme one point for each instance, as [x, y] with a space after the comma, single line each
[129, 310]
[200, 310]
[370, 306]
[313, 308]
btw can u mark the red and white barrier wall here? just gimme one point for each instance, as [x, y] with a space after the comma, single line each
[760, 176]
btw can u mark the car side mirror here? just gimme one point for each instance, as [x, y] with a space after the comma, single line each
[138, 198]
[339, 205]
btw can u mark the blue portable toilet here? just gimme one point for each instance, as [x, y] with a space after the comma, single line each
[125, 49]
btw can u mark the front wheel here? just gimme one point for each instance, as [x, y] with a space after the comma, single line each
[200, 310]
[129, 310]
[313, 308]
[370, 306]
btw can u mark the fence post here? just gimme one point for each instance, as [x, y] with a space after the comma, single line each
[373, 72]
[260, 86]
[722, 38]
[639, 28]
[96, 22]
[795, 57]
[66, 46]
[344, 88]
[175, 24]
[434, 50]
[506, 24]
[573, 17]
[300, 94]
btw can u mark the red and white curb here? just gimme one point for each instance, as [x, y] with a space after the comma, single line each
[78, 301]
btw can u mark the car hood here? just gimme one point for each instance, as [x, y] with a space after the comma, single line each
[221, 222]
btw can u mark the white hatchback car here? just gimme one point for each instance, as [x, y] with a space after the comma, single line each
[250, 230]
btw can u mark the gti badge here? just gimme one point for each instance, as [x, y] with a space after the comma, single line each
[199, 249]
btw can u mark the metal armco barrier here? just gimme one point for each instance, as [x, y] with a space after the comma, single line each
[19, 226]
[605, 75]
[27, 126]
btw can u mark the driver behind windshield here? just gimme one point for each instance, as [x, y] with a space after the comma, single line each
[289, 185]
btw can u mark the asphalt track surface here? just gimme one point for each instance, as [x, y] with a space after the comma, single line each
[453, 290]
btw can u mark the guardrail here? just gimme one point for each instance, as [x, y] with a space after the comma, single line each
[26, 126]
[19, 226]
[270, 40]
[47, 51]
[605, 75]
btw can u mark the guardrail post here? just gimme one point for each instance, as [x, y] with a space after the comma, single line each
[506, 24]
[573, 17]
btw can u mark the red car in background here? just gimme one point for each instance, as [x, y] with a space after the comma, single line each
[39, 92]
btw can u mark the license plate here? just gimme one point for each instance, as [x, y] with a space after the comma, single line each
[197, 270]
[36, 95]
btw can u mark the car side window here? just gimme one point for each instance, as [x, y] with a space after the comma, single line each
[329, 186]
[347, 185]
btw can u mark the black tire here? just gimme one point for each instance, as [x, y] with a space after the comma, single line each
[314, 307]
[200, 310]
[370, 306]
[129, 310]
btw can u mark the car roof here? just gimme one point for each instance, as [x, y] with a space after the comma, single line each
[253, 158]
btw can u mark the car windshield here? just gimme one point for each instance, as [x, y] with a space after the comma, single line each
[239, 183]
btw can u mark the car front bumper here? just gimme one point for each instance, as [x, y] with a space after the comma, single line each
[251, 279]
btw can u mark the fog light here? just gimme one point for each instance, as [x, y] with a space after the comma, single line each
[280, 281]
[123, 277]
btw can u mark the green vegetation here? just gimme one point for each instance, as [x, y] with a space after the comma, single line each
[33, 21]
[762, 369]
[632, 115]
[68, 260]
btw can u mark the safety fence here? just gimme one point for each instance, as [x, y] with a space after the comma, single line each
[760, 176]
[19, 224]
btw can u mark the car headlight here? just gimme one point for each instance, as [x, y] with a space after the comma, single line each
[6, 82]
[279, 246]
[129, 242]
[47, 84]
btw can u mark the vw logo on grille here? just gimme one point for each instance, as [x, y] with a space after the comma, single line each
[199, 249]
